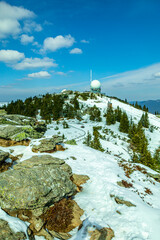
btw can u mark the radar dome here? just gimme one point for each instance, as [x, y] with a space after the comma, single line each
[95, 84]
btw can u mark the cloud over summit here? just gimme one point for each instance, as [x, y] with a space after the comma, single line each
[53, 44]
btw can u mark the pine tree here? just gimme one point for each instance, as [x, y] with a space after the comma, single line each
[124, 123]
[110, 116]
[95, 114]
[118, 113]
[88, 138]
[145, 120]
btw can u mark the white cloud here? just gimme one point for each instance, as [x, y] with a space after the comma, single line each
[10, 56]
[13, 12]
[9, 27]
[61, 73]
[11, 18]
[76, 51]
[29, 63]
[53, 44]
[30, 26]
[134, 85]
[84, 41]
[41, 74]
[25, 39]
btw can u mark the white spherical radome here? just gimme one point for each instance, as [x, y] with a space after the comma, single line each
[95, 84]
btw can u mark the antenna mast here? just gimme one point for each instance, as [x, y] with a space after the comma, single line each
[91, 75]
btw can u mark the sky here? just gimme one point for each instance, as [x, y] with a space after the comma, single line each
[48, 46]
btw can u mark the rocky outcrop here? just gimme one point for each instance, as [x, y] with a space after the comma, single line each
[7, 234]
[17, 130]
[48, 145]
[35, 183]
[15, 119]
[102, 234]
[38, 191]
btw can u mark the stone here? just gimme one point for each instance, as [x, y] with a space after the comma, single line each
[155, 176]
[63, 217]
[8, 143]
[79, 179]
[3, 156]
[6, 233]
[47, 145]
[15, 119]
[5, 161]
[121, 201]
[16, 129]
[2, 112]
[102, 234]
[35, 183]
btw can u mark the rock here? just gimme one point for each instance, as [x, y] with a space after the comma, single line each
[47, 145]
[125, 184]
[3, 156]
[8, 234]
[102, 234]
[35, 183]
[79, 179]
[64, 236]
[17, 128]
[8, 143]
[17, 133]
[155, 176]
[63, 216]
[15, 119]
[40, 127]
[45, 234]
[121, 201]
[5, 161]
[2, 112]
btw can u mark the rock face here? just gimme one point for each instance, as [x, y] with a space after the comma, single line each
[35, 183]
[8, 234]
[16, 129]
[48, 145]
[3, 156]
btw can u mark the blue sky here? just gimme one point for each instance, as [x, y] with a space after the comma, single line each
[51, 45]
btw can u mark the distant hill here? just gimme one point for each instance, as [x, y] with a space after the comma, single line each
[153, 105]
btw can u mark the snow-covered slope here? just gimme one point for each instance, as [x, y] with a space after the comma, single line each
[106, 170]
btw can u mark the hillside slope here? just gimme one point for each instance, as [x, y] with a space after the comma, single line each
[120, 194]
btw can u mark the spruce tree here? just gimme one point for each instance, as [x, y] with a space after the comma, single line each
[88, 138]
[118, 113]
[124, 123]
[110, 116]
[145, 120]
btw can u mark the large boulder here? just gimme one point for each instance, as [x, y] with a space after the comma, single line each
[15, 119]
[11, 135]
[16, 129]
[8, 234]
[35, 183]
[48, 144]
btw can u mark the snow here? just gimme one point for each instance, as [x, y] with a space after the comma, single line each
[97, 198]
